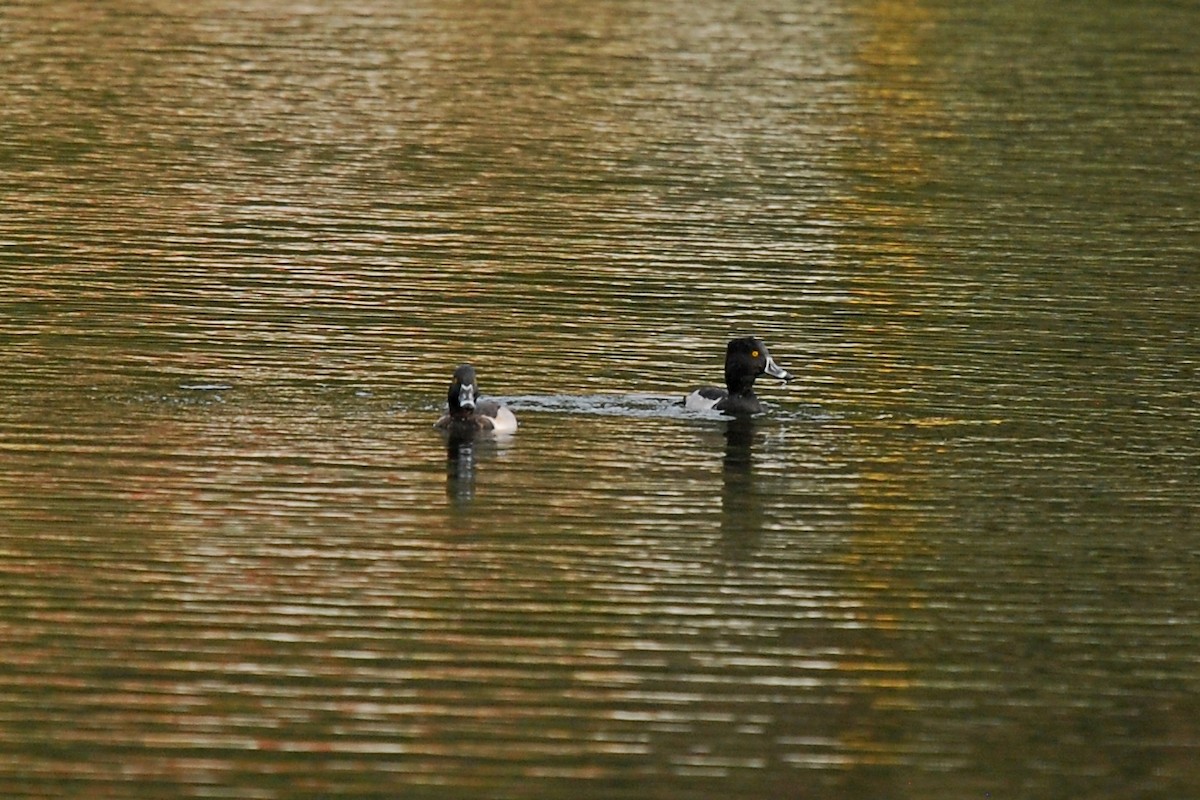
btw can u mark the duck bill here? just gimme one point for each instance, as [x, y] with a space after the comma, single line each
[776, 371]
[466, 395]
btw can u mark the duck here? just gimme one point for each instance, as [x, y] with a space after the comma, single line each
[745, 359]
[466, 413]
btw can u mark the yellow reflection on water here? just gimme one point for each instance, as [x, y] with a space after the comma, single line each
[888, 158]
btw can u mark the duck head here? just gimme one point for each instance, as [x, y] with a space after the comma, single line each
[463, 391]
[745, 360]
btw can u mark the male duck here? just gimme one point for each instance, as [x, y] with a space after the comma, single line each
[466, 414]
[745, 360]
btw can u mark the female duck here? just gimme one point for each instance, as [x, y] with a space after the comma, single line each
[745, 360]
[467, 414]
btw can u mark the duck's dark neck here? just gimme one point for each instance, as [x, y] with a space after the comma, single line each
[739, 385]
[457, 409]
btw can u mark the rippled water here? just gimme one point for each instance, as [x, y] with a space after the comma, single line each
[243, 246]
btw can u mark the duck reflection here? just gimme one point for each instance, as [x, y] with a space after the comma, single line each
[465, 449]
[741, 504]
[460, 466]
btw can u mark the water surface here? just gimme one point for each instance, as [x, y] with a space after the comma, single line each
[243, 246]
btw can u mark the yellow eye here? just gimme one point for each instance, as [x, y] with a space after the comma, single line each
[754, 354]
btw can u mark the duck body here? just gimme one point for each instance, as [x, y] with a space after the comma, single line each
[745, 359]
[465, 413]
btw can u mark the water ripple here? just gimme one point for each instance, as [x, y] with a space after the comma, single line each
[241, 254]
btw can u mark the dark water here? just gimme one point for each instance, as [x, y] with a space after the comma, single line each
[243, 246]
